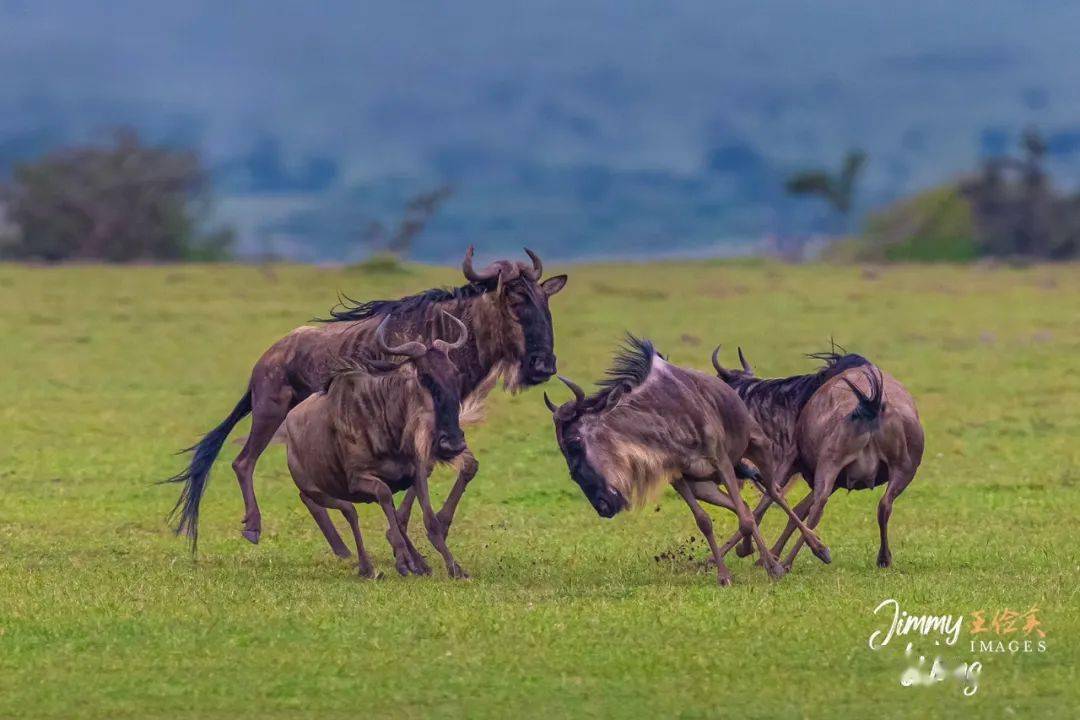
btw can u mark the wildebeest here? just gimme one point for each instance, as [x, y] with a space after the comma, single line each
[504, 307]
[654, 423]
[850, 425]
[380, 427]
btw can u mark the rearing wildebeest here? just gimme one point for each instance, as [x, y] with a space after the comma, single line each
[850, 425]
[505, 310]
[655, 423]
[379, 427]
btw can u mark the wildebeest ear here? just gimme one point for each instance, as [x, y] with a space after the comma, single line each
[553, 284]
[616, 394]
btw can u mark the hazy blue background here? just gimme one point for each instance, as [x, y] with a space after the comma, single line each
[580, 128]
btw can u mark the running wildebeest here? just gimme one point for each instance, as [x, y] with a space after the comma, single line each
[380, 427]
[505, 309]
[850, 425]
[654, 423]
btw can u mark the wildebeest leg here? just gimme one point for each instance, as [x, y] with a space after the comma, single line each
[704, 523]
[709, 492]
[367, 570]
[824, 479]
[322, 519]
[404, 511]
[801, 510]
[898, 480]
[746, 547]
[467, 471]
[759, 452]
[270, 406]
[747, 525]
[369, 484]
[435, 531]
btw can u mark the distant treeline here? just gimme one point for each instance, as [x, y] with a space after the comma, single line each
[1008, 209]
[130, 201]
[121, 202]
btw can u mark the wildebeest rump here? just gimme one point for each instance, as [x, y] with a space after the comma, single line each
[850, 425]
[505, 309]
[655, 423]
[376, 429]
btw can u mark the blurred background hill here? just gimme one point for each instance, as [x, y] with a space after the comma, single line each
[582, 129]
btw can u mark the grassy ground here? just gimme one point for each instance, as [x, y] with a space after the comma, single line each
[107, 371]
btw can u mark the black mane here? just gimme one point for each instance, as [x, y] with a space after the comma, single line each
[795, 391]
[631, 366]
[349, 309]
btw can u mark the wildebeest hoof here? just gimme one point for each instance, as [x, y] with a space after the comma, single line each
[724, 580]
[421, 564]
[252, 536]
[342, 552]
[884, 562]
[776, 570]
[457, 572]
[823, 555]
[369, 573]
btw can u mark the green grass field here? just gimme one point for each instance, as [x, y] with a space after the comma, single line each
[108, 371]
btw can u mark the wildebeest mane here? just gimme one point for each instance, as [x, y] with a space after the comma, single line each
[348, 309]
[794, 392]
[631, 366]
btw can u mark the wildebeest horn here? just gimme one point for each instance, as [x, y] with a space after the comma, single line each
[471, 275]
[551, 406]
[463, 335]
[720, 369]
[722, 372]
[745, 365]
[538, 266]
[411, 349]
[579, 394]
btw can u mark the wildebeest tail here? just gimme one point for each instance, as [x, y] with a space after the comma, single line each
[197, 473]
[870, 406]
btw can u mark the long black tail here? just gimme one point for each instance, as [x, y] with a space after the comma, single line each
[869, 409]
[198, 471]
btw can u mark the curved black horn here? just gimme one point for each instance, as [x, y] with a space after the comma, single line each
[463, 335]
[745, 365]
[720, 369]
[551, 406]
[721, 372]
[471, 275]
[411, 349]
[538, 266]
[579, 394]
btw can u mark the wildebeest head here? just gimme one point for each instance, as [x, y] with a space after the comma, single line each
[571, 431]
[732, 377]
[440, 378]
[523, 303]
